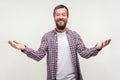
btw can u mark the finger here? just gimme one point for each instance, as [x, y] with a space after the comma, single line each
[106, 42]
[10, 42]
[15, 42]
[101, 45]
[109, 40]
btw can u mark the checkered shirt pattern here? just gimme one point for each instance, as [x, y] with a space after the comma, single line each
[49, 46]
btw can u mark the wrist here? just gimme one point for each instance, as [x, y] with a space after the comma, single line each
[98, 48]
[23, 49]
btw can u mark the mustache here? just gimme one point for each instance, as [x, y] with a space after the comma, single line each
[60, 19]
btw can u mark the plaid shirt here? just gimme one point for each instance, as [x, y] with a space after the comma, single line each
[49, 46]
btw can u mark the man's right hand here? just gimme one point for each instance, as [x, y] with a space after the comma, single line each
[17, 45]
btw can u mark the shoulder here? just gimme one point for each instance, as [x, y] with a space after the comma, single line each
[48, 34]
[74, 33]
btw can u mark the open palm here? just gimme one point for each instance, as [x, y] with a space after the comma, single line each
[103, 44]
[17, 45]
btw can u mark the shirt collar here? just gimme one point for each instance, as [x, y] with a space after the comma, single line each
[55, 32]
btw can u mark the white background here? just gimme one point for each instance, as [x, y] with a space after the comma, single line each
[28, 20]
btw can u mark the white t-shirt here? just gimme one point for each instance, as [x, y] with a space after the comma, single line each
[65, 69]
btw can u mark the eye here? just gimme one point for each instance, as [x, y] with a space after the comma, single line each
[64, 14]
[57, 14]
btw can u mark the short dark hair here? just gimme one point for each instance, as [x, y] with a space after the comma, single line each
[61, 6]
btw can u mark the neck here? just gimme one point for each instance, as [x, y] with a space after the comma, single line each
[58, 30]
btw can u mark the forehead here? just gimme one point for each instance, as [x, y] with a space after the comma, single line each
[61, 10]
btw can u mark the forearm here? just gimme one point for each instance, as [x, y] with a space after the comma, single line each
[89, 52]
[36, 55]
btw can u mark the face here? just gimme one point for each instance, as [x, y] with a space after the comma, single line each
[61, 18]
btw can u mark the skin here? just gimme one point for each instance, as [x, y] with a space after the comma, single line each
[60, 19]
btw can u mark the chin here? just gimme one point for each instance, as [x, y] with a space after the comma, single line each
[60, 27]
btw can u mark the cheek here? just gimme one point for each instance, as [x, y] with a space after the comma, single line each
[65, 19]
[56, 18]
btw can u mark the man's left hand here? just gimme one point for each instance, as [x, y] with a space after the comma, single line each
[103, 44]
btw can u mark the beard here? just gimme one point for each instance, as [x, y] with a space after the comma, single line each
[61, 24]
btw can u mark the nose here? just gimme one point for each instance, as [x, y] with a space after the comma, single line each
[60, 16]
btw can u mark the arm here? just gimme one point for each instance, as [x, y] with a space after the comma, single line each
[89, 52]
[36, 55]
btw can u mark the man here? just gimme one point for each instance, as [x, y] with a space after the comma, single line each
[61, 46]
